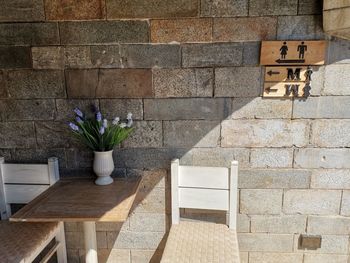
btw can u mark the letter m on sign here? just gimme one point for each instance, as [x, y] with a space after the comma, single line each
[293, 75]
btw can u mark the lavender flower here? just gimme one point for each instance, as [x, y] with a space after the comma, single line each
[116, 121]
[102, 130]
[98, 116]
[78, 120]
[129, 118]
[105, 123]
[73, 126]
[78, 112]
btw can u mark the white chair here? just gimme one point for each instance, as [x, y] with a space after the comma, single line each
[202, 188]
[24, 242]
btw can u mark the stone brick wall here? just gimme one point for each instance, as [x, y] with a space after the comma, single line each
[189, 71]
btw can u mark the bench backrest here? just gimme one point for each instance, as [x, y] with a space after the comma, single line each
[204, 188]
[21, 183]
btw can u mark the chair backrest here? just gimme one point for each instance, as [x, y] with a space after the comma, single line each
[204, 188]
[21, 183]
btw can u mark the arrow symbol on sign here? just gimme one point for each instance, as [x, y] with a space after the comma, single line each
[272, 72]
[268, 90]
[290, 60]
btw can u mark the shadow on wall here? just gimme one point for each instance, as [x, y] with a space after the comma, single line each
[236, 123]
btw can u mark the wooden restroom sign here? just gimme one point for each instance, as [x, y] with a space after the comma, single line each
[280, 53]
[288, 66]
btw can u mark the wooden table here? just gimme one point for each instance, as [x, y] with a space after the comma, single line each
[82, 201]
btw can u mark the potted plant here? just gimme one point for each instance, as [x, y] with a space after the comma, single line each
[101, 136]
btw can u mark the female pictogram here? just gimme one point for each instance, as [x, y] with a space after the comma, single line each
[284, 50]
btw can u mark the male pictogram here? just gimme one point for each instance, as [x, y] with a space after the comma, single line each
[284, 50]
[302, 48]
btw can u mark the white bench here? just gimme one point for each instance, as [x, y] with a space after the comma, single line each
[203, 188]
[24, 242]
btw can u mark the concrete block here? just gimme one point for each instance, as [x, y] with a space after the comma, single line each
[265, 242]
[12, 135]
[329, 225]
[121, 107]
[260, 201]
[330, 179]
[271, 7]
[345, 203]
[337, 80]
[15, 57]
[81, 83]
[278, 224]
[18, 10]
[48, 57]
[146, 134]
[271, 158]
[224, 8]
[325, 258]
[322, 158]
[266, 257]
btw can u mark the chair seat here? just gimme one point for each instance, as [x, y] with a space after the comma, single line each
[20, 241]
[199, 242]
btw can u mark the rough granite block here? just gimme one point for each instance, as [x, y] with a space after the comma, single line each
[244, 29]
[48, 57]
[191, 133]
[78, 57]
[146, 134]
[65, 107]
[299, 27]
[55, 134]
[210, 55]
[12, 135]
[186, 109]
[224, 8]
[121, 107]
[22, 10]
[183, 82]
[124, 83]
[31, 84]
[17, 110]
[15, 57]
[81, 83]
[29, 34]
[325, 107]
[105, 56]
[238, 82]
[337, 80]
[74, 10]
[99, 32]
[310, 7]
[151, 9]
[273, 7]
[149, 56]
[338, 51]
[259, 108]
[181, 30]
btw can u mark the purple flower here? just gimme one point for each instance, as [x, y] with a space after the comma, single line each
[102, 130]
[78, 112]
[98, 116]
[105, 122]
[73, 126]
[79, 120]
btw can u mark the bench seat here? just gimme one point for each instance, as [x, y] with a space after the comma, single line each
[201, 242]
[20, 241]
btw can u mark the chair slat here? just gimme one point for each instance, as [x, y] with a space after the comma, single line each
[25, 173]
[203, 198]
[22, 194]
[204, 177]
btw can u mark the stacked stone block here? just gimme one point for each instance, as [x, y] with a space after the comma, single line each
[189, 72]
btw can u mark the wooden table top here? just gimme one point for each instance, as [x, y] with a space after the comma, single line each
[81, 200]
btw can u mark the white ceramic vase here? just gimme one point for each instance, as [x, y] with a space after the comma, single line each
[103, 167]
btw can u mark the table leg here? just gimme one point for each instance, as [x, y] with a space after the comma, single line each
[90, 242]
